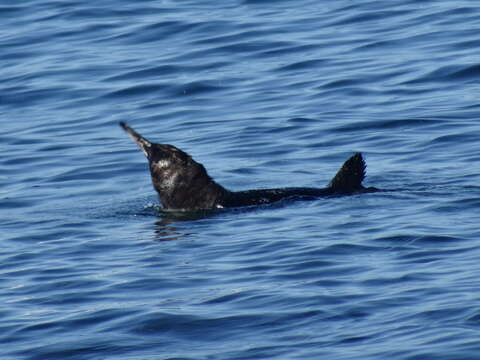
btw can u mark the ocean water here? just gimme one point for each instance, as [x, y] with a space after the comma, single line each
[264, 94]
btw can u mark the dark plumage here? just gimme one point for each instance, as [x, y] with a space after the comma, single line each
[183, 184]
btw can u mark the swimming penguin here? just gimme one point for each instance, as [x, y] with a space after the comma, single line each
[184, 185]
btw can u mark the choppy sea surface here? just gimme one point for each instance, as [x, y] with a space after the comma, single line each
[264, 94]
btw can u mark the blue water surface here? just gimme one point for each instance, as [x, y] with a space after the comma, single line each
[264, 94]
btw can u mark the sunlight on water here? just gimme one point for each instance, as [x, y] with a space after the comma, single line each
[265, 95]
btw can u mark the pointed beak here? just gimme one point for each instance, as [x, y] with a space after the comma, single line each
[143, 143]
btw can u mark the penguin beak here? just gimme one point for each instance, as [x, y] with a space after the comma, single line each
[143, 144]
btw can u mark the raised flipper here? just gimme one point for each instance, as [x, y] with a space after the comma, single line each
[350, 176]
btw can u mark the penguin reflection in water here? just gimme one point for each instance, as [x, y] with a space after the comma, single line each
[184, 185]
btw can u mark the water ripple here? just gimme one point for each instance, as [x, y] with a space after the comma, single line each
[264, 95]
